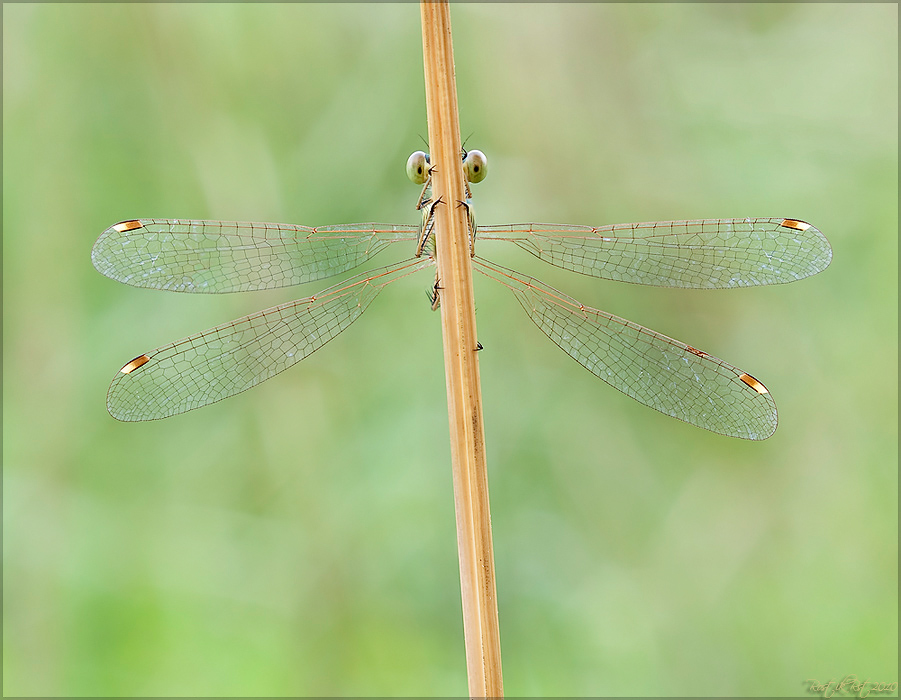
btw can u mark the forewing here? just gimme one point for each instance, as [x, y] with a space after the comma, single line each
[185, 255]
[699, 254]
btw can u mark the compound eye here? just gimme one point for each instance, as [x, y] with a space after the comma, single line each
[418, 167]
[475, 166]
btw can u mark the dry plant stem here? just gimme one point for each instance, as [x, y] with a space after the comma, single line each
[464, 395]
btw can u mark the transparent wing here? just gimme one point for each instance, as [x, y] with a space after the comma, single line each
[700, 254]
[665, 374]
[228, 359]
[186, 255]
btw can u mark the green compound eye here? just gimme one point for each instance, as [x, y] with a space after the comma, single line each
[475, 165]
[418, 167]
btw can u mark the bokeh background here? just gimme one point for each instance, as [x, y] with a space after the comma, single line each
[299, 539]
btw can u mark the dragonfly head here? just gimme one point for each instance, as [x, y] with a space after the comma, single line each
[418, 167]
[475, 166]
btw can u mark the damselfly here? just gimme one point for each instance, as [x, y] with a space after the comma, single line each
[665, 374]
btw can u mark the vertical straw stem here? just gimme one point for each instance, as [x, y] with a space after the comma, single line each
[464, 395]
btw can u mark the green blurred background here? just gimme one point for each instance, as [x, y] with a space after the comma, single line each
[299, 539]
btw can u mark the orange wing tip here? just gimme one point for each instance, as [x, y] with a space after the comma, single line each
[124, 226]
[747, 379]
[795, 224]
[139, 361]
